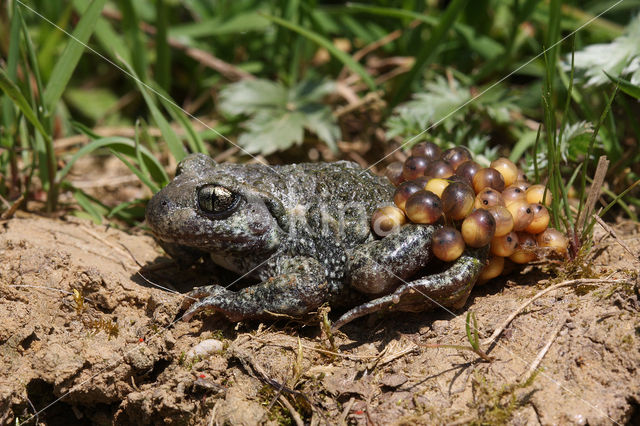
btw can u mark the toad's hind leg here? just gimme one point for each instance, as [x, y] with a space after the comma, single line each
[446, 289]
[300, 287]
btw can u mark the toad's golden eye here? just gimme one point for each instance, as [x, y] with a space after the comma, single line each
[217, 200]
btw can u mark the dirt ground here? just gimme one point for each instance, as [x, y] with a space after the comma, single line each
[86, 339]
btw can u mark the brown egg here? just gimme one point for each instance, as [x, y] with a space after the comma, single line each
[523, 185]
[387, 220]
[424, 207]
[456, 156]
[468, 170]
[414, 167]
[439, 169]
[505, 245]
[522, 214]
[422, 181]
[507, 169]
[457, 200]
[447, 244]
[535, 194]
[492, 269]
[429, 150]
[436, 185]
[394, 173]
[455, 178]
[488, 197]
[478, 228]
[526, 250]
[553, 239]
[404, 191]
[513, 193]
[540, 220]
[522, 177]
[488, 177]
[503, 218]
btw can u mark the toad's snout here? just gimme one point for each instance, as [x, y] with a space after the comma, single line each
[159, 212]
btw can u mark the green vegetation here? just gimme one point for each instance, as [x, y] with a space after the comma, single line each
[150, 81]
[495, 404]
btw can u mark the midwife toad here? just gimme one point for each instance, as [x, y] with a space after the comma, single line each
[303, 232]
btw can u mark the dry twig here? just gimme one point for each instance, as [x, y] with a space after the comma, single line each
[294, 414]
[594, 193]
[614, 235]
[12, 208]
[515, 313]
[345, 412]
[543, 351]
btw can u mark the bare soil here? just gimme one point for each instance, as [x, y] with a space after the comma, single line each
[114, 354]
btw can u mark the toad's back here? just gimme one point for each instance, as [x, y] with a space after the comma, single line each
[342, 182]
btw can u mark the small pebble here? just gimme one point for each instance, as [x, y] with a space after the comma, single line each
[205, 348]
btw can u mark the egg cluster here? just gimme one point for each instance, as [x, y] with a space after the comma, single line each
[478, 205]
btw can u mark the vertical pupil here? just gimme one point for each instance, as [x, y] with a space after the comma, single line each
[215, 199]
[221, 198]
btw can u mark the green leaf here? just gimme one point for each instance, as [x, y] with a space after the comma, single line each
[347, 60]
[323, 123]
[67, 62]
[252, 96]
[596, 62]
[312, 90]
[271, 132]
[278, 115]
[431, 106]
[626, 86]
[11, 90]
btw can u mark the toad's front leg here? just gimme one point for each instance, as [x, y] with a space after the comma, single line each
[386, 274]
[300, 287]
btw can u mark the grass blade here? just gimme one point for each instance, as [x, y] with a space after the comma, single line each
[88, 205]
[51, 43]
[8, 112]
[125, 146]
[173, 142]
[143, 178]
[327, 44]
[240, 23]
[553, 35]
[426, 54]
[196, 144]
[33, 62]
[11, 90]
[483, 45]
[163, 54]
[625, 86]
[67, 62]
[131, 26]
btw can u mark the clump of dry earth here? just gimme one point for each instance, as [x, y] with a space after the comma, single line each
[85, 339]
